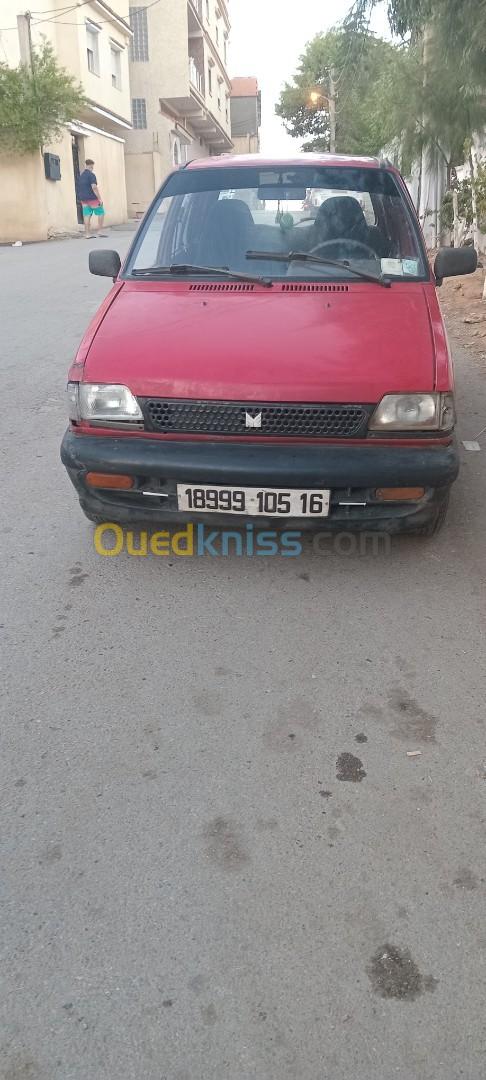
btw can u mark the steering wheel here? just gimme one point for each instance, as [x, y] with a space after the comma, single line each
[347, 243]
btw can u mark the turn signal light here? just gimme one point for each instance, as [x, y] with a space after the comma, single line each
[109, 480]
[399, 494]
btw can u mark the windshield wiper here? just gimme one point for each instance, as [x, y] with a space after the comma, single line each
[188, 268]
[305, 256]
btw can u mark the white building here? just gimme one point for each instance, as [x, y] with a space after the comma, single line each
[179, 88]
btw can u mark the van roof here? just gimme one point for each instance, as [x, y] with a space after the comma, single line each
[260, 160]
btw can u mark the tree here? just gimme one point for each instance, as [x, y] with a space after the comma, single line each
[36, 104]
[462, 24]
[373, 84]
[448, 58]
[463, 189]
[444, 110]
[404, 16]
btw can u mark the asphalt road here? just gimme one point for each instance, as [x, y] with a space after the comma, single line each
[191, 888]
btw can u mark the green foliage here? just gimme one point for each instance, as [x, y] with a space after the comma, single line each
[461, 24]
[443, 111]
[373, 80]
[34, 105]
[400, 98]
[405, 16]
[301, 121]
[464, 199]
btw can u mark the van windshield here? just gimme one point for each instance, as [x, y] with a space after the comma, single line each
[222, 217]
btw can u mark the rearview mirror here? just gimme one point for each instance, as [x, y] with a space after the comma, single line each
[105, 263]
[278, 192]
[450, 262]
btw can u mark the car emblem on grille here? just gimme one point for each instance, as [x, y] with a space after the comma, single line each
[253, 421]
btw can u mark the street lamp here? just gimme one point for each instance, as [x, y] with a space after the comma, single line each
[317, 99]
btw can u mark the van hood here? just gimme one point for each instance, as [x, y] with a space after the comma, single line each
[289, 343]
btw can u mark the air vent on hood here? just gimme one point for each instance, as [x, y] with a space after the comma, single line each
[315, 288]
[221, 286]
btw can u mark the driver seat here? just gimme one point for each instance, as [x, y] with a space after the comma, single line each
[226, 234]
[341, 218]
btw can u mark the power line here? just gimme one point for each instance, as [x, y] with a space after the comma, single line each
[52, 11]
[343, 69]
[364, 37]
[55, 12]
[66, 11]
[101, 22]
[60, 14]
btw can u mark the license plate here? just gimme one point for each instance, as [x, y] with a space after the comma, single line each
[254, 501]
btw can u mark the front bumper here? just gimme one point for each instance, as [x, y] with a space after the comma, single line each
[349, 471]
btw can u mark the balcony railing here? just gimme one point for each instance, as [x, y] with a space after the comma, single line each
[195, 76]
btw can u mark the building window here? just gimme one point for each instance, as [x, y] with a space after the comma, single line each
[92, 48]
[115, 57]
[139, 43]
[139, 112]
[210, 80]
[207, 10]
[225, 50]
[217, 34]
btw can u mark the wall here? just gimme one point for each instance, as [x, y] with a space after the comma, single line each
[168, 49]
[68, 38]
[109, 159]
[60, 195]
[148, 159]
[33, 208]
[22, 205]
[220, 86]
[246, 144]
[69, 42]
[244, 116]
[213, 45]
[98, 88]
[149, 151]
[140, 173]
[9, 42]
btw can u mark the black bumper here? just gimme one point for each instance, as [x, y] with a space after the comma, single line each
[311, 465]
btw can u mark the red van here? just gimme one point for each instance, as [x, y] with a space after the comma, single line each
[255, 361]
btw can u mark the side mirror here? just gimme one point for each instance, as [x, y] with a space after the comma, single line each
[105, 263]
[451, 262]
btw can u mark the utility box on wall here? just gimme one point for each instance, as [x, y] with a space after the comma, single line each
[52, 166]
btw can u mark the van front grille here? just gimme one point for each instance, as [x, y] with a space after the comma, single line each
[251, 418]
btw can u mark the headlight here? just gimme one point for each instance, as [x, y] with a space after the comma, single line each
[414, 412]
[108, 402]
[72, 399]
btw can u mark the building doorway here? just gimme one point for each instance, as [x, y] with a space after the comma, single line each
[77, 171]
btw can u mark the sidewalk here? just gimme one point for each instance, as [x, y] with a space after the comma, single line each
[127, 227]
